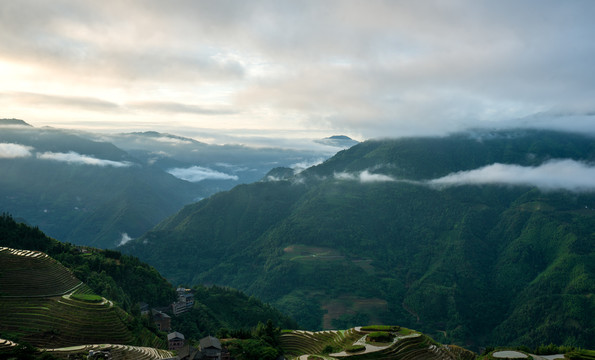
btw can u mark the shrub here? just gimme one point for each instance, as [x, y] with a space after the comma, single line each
[355, 348]
[329, 349]
[379, 336]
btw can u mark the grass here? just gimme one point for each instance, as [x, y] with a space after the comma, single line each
[91, 298]
[380, 337]
[381, 328]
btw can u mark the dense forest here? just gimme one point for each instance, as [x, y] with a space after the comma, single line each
[365, 238]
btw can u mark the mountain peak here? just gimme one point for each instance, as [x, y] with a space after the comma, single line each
[341, 141]
[13, 122]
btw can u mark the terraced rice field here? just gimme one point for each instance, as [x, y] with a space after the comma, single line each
[299, 344]
[118, 352]
[48, 322]
[35, 305]
[25, 273]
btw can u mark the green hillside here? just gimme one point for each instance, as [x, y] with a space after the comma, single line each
[35, 280]
[43, 304]
[472, 264]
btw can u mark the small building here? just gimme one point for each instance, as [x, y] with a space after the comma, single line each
[188, 352]
[175, 340]
[185, 301]
[161, 320]
[144, 308]
[210, 347]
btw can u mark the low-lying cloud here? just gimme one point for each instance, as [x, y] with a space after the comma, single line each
[364, 177]
[72, 157]
[199, 173]
[124, 239]
[303, 165]
[560, 174]
[12, 151]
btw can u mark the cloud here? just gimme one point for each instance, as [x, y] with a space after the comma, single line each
[560, 174]
[173, 107]
[199, 173]
[303, 165]
[364, 177]
[367, 68]
[124, 239]
[12, 151]
[48, 100]
[172, 140]
[76, 158]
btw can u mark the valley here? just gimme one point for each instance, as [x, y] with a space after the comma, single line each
[373, 234]
[105, 189]
[377, 234]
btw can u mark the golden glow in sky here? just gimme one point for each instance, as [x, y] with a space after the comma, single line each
[298, 69]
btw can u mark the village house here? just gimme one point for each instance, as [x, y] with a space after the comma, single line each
[210, 347]
[185, 301]
[175, 340]
[161, 320]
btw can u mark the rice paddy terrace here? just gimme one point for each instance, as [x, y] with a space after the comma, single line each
[352, 344]
[44, 304]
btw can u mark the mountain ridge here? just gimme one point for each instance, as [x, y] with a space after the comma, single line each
[365, 236]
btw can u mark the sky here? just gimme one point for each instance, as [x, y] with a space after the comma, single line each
[258, 71]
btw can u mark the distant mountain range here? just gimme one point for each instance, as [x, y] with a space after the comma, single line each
[478, 238]
[102, 190]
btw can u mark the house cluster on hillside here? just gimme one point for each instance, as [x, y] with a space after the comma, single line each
[209, 348]
[162, 320]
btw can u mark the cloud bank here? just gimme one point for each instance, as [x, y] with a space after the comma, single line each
[561, 174]
[199, 173]
[12, 151]
[72, 157]
[363, 68]
[365, 177]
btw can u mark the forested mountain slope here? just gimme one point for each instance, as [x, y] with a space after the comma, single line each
[122, 279]
[476, 238]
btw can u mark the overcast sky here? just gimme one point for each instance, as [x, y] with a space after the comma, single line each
[263, 69]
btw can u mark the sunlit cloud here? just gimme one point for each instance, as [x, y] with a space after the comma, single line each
[199, 173]
[11, 151]
[51, 100]
[76, 158]
[561, 174]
